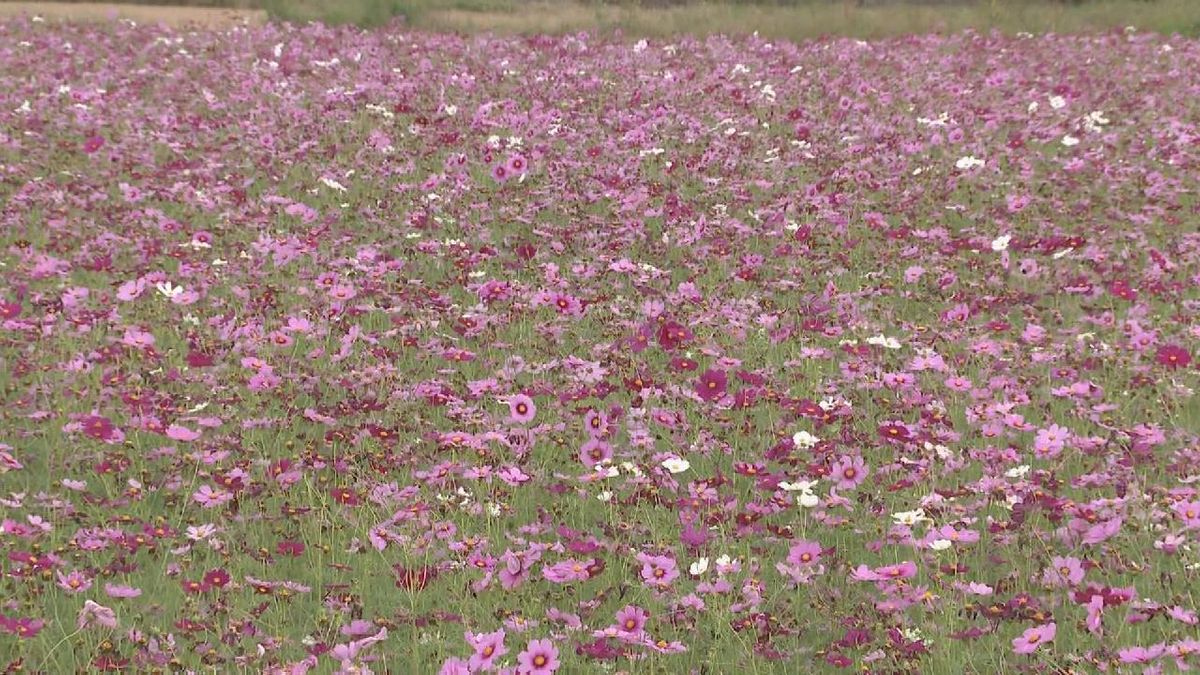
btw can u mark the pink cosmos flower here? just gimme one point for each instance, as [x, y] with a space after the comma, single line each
[1050, 441]
[342, 292]
[565, 572]
[658, 570]
[540, 657]
[1035, 637]
[904, 570]
[804, 552]
[488, 647]
[1189, 513]
[517, 164]
[849, 472]
[94, 614]
[138, 338]
[595, 451]
[455, 666]
[1182, 650]
[180, 433]
[1183, 615]
[631, 620]
[1095, 611]
[119, 591]
[1141, 654]
[73, 582]
[1064, 571]
[521, 409]
[210, 497]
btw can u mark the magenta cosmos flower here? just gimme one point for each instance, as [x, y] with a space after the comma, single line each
[539, 658]
[1035, 637]
[521, 409]
[1173, 356]
[711, 385]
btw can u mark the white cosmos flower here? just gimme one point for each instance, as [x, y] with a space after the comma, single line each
[808, 500]
[1058, 102]
[1017, 472]
[630, 467]
[333, 184]
[910, 518]
[676, 465]
[1070, 140]
[699, 567]
[605, 496]
[940, 544]
[884, 341]
[968, 162]
[798, 486]
[167, 289]
[803, 439]
[1001, 243]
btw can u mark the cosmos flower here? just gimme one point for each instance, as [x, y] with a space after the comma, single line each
[93, 614]
[540, 657]
[487, 647]
[711, 385]
[521, 409]
[849, 472]
[1033, 638]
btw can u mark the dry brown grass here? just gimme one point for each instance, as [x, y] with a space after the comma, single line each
[213, 17]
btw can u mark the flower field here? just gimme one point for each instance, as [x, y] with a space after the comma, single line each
[341, 350]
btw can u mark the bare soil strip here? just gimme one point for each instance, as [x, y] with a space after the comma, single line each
[148, 14]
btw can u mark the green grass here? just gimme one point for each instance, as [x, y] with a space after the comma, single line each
[784, 19]
[794, 20]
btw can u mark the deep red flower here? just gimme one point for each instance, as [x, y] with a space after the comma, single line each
[1173, 356]
[193, 587]
[672, 334]
[711, 385]
[92, 144]
[217, 578]
[893, 431]
[290, 548]
[100, 428]
[345, 496]
[413, 579]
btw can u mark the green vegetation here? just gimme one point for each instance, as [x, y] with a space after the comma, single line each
[791, 19]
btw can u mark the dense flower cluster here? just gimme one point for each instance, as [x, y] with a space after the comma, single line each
[338, 349]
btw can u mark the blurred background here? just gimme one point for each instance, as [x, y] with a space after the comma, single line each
[791, 19]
